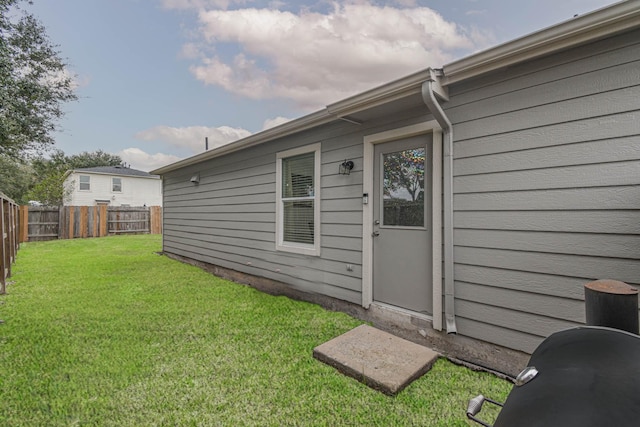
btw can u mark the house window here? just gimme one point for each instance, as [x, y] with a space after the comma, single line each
[85, 183]
[298, 200]
[116, 185]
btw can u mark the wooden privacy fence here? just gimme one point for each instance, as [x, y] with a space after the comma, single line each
[9, 238]
[72, 222]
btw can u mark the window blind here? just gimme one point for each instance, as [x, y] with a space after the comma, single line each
[298, 198]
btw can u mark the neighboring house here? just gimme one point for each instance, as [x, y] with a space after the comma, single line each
[113, 186]
[483, 196]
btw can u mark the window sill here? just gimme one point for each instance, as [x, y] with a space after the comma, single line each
[303, 250]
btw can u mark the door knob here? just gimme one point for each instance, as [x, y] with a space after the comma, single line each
[375, 234]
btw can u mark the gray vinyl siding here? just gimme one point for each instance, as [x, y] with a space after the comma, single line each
[229, 218]
[546, 189]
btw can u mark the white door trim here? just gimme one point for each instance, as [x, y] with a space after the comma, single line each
[436, 222]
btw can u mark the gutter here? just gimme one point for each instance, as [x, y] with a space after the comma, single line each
[430, 88]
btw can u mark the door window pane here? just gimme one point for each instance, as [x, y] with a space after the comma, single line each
[403, 188]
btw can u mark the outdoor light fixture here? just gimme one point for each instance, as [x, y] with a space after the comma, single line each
[345, 167]
[195, 178]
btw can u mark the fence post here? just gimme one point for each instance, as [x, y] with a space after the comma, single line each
[13, 233]
[104, 220]
[84, 221]
[8, 239]
[72, 212]
[16, 209]
[94, 214]
[155, 220]
[3, 247]
[24, 224]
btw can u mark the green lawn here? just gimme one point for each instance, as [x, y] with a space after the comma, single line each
[107, 332]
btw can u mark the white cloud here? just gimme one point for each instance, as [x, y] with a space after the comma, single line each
[189, 51]
[315, 58]
[276, 121]
[189, 140]
[192, 138]
[145, 161]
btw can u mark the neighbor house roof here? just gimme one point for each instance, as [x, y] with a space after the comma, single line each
[116, 170]
[595, 25]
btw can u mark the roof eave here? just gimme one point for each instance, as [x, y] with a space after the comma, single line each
[307, 122]
[600, 23]
[377, 96]
[391, 91]
[79, 171]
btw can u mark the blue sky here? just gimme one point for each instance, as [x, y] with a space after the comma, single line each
[155, 77]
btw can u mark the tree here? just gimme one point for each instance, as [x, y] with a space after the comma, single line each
[403, 186]
[51, 172]
[92, 159]
[405, 170]
[16, 177]
[34, 83]
[49, 190]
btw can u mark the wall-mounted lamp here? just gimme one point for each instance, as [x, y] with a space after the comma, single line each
[195, 178]
[345, 167]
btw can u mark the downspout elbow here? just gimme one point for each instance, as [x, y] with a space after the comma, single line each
[430, 88]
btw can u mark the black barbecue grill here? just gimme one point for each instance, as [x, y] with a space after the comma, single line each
[586, 376]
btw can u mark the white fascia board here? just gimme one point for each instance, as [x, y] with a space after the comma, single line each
[80, 172]
[600, 23]
[396, 89]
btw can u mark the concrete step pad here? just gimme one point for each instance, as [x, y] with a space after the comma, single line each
[380, 360]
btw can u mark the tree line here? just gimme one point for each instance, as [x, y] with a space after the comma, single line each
[34, 85]
[41, 178]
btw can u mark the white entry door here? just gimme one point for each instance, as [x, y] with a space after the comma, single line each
[402, 245]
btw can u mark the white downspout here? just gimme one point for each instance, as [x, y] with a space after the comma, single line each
[430, 88]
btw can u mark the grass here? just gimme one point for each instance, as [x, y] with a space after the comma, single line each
[106, 332]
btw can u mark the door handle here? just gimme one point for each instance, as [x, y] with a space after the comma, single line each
[375, 234]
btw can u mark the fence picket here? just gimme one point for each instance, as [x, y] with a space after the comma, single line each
[69, 222]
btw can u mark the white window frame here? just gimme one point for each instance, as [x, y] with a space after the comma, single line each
[300, 248]
[80, 183]
[112, 184]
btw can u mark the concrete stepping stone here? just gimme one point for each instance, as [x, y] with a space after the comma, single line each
[380, 360]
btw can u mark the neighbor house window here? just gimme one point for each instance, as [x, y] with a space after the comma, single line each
[298, 200]
[85, 183]
[116, 185]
